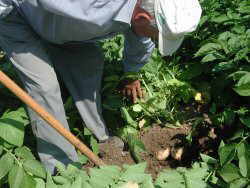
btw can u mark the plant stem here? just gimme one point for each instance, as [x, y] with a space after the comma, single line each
[8, 151]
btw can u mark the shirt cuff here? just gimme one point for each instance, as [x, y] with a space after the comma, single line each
[126, 12]
[133, 68]
[5, 8]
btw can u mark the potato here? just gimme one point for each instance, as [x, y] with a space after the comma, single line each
[130, 184]
[162, 155]
[177, 153]
[198, 97]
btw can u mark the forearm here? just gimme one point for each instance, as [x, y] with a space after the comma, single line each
[137, 51]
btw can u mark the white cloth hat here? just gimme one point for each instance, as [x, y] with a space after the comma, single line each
[174, 18]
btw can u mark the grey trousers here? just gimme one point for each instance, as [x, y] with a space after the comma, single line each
[36, 61]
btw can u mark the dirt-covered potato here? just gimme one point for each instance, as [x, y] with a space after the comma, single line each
[162, 155]
[130, 184]
[177, 152]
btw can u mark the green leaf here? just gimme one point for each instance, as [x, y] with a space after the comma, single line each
[49, 182]
[242, 55]
[136, 147]
[78, 182]
[12, 131]
[138, 168]
[195, 176]
[19, 115]
[147, 183]
[229, 116]
[1, 150]
[6, 144]
[87, 132]
[135, 173]
[192, 71]
[243, 85]
[169, 179]
[243, 90]
[184, 178]
[137, 108]
[82, 159]
[238, 135]
[127, 117]
[227, 153]
[24, 153]
[229, 173]
[239, 183]
[39, 183]
[208, 159]
[73, 170]
[69, 104]
[125, 131]
[244, 159]
[220, 19]
[86, 185]
[34, 167]
[244, 7]
[245, 121]
[222, 144]
[103, 177]
[28, 181]
[94, 145]
[209, 47]
[208, 58]
[60, 167]
[6, 164]
[236, 76]
[223, 66]
[60, 180]
[18, 178]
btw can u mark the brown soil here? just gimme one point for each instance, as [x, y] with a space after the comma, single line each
[115, 156]
[157, 138]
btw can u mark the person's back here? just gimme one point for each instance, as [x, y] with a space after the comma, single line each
[67, 21]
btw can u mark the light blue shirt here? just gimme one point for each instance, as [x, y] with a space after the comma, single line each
[63, 21]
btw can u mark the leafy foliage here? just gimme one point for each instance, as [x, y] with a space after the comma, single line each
[212, 69]
[184, 178]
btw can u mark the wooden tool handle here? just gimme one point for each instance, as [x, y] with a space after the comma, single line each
[21, 94]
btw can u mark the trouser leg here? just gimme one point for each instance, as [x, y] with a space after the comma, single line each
[30, 58]
[81, 69]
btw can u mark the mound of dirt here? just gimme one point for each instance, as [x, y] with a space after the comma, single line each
[154, 139]
[157, 138]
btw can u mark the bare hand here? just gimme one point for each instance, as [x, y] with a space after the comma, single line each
[132, 89]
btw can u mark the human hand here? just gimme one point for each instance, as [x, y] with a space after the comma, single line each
[132, 89]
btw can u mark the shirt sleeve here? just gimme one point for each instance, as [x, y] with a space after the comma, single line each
[137, 51]
[98, 12]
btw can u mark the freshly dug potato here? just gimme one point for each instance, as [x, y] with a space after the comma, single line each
[162, 155]
[177, 152]
[142, 123]
[130, 184]
[198, 97]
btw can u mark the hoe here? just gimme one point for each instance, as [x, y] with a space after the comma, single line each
[24, 97]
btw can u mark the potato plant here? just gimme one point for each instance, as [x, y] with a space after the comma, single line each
[210, 69]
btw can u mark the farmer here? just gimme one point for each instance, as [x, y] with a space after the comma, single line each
[44, 36]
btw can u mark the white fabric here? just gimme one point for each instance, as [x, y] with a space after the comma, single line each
[174, 18]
